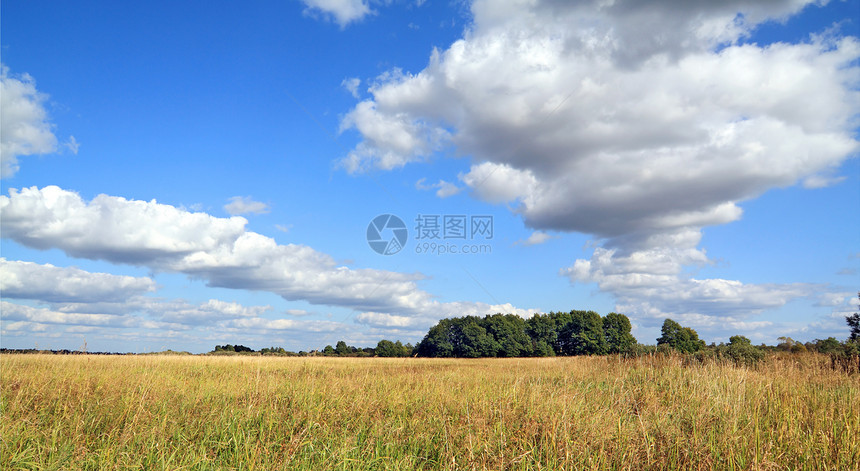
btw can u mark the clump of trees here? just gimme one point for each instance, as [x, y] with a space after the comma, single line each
[233, 348]
[387, 348]
[509, 335]
[683, 339]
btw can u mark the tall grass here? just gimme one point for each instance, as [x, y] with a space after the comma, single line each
[71, 412]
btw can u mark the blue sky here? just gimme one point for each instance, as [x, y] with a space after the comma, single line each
[185, 175]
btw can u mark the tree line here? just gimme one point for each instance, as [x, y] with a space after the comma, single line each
[385, 348]
[566, 333]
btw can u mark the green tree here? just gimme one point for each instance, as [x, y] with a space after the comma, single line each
[785, 343]
[386, 348]
[341, 348]
[583, 335]
[437, 342]
[616, 329]
[682, 339]
[854, 324]
[509, 333]
[543, 333]
[741, 351]
[829, 345]
[328, 350]
[471, 339]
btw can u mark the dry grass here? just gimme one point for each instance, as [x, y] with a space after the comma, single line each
[72, 412]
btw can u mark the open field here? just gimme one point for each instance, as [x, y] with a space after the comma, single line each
[171, 412]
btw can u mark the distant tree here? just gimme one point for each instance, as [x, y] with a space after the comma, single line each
[543, 333]
[676, 337]
[854, 324]
[437, 342]
[387, 348]
[509, 333]
[328, 350]
[742, 351]
[583, 335]
[341, 348]
[616, 330]
[471, 339]
[233, 348]
[273, 350]
[785, 343]
[829, 345]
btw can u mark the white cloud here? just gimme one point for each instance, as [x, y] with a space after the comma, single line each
[245, 205]
[213, 310]
[443, 189]
[112, 228]
[260, 324]
[380, 319]
[499, 183]
[536, 238]
[391, 139]
[343, 12]
[73, 145]
[17, 312]
[538, 97]
[584, 120]
[351, 85]
[821, 181]
[24, 126]
[27, 280]
[651, 284]
[218, 250]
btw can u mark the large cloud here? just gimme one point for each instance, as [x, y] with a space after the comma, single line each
[637, 123]
[218, 250]
[24, 125]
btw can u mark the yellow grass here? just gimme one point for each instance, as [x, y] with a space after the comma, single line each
[157, 412]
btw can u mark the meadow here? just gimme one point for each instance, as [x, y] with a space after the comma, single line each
[253, 412]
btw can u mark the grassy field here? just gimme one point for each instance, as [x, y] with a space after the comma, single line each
[192, 412]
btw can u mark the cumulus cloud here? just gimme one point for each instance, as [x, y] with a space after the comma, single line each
[73, 301]
[20, 313]
[245, 205]
[391, 139]
[343, 12]
[27, 280]
[112, 228]
[218, 250]
[652, 284]
[583, 119]
[24, 127]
